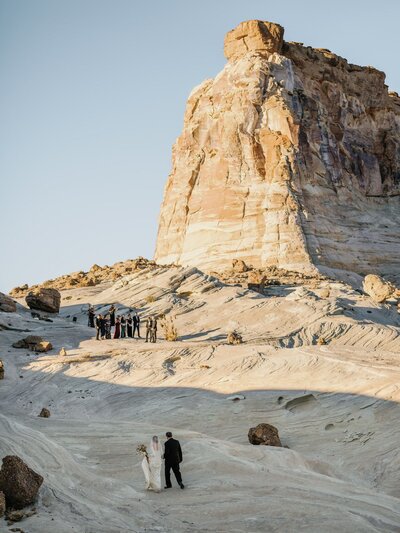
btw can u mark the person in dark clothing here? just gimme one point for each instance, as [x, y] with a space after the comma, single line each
[129, 323]
[136, 325]
[102, 328]
[123, 327]
[107, 327]
[172, 458]
[91, 316]
[112, 315]
[117, 331]
[99, 320]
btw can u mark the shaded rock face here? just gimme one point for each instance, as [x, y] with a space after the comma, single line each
[290, 157]
[2, 504]
[47, 300]
[7, 304]
[264, 434]
[19, 483]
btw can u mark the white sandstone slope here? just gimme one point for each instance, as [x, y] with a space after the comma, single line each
[335, 405]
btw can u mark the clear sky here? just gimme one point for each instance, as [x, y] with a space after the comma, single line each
[92, 95]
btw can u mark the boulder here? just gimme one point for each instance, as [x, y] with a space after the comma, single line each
[1, 369]
[19, 483]
[376, 287]
[44, 299]
[62, 352]
[44, 413]
[238, 265]
[264, 434]
[33, 343]
[7, 304]
[2, 504]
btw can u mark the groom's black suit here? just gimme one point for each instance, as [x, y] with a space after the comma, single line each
[172, 456]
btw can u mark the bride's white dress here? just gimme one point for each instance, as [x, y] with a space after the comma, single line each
[152, 467]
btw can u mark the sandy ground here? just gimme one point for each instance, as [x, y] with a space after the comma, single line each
[336, 407]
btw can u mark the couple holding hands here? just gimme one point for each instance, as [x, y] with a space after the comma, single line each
[152, 463]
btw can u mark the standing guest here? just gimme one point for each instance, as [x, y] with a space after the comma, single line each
[91, 316]
[136, 325]
[123, 327]
[112, 315]
[99, 320]
[107, 326]
[153, 332]
[129, 323]
[149, 326]
[102, 328]
[117, 331]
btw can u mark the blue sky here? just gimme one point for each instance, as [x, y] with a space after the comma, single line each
[92, 95]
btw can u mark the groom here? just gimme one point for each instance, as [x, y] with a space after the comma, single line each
[172, 457]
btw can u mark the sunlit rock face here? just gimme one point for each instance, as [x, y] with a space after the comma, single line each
[289, 157]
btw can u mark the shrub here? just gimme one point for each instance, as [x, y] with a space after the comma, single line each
[169, 328]
[150, 299]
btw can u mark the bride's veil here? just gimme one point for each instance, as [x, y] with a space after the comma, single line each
[155, 447]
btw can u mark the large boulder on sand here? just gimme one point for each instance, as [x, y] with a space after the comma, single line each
[34, 343]
[19, 483]
[264, 434]
[47, 300]
[7, 304]
[376, 287]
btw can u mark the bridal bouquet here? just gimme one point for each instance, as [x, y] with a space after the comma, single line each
[142, 450]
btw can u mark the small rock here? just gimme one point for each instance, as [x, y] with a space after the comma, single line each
[44, 413]
[63, 351]
[16, 516]
[34, 343]
[264, 434]
[321, 341]
[19, 483]
[1, 369]
[239, 266]
[236, 397]
[376, 287]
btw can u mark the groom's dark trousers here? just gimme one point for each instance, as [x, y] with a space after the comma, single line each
[172, 456]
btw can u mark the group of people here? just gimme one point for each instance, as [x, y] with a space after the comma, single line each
[152, 463]
[115, 326]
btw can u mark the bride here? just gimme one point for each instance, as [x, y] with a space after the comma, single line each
[151, 465]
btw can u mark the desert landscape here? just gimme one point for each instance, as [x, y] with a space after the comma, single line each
[285, 303]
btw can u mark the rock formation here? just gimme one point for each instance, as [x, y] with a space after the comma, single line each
[7, 304]
[290, 157]
[2, 504]
[96, 275]
[19, 483]
[264, 434]
[34, 343]
[44, 299]
[376, 287]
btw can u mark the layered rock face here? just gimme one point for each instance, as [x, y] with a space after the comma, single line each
[290, 157]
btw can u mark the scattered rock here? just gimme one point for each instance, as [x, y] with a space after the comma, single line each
[321, 341]
[236, 397]
[205, 367]
[264, 434]
[44, 413]
[234, 338]
[16, 516]
[19, 483]
[63, 351]
[239, 266]
[33, 343]
[376, 287]
[44, 299]
[7, 304]
[1, 369]
[2, 504]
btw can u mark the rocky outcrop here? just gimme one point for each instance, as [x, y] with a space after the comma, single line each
[7, 304]
[19, 483]
[34, 343]
[264, 434]
[44, 299]
[96, 275]
[376, 287]
[2, 504]
[290, 157]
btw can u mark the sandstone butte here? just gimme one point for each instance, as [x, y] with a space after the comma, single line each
[290, 158]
